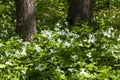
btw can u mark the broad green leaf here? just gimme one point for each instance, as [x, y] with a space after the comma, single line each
[2, 65]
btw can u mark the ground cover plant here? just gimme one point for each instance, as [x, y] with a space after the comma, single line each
[60, 51]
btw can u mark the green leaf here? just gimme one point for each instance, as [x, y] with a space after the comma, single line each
[16, 79]
[2, 65]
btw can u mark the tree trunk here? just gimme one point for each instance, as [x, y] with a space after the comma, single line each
[26, 21]
[80, 10]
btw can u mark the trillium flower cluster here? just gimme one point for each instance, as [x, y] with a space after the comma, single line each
[109, 32]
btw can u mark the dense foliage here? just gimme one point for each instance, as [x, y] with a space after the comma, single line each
[61, 52]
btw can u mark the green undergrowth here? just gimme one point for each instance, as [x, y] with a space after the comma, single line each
[60, 51]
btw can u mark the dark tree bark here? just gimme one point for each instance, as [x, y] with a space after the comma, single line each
[26, 21]
[80, 10]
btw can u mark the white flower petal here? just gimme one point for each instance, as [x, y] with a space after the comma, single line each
[8, 63]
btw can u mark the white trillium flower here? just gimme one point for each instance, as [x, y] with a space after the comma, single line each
[26, 43]
[1, 44]
[59, 70]
[71, 69]
[57, 29]
[7, 53]
[91, 38]
[83, 72]
[40, 67]
[67, 44]
[57, 24]
[47, 33]
[74, 56]
[89, 55]
[24, 71]
[51, 51]
[8, 63]
[108, 33]
[37, 48]
[59, 40]
[62, 32]
[17, 52]
[23, 51]
[66, 23]
[118, 39]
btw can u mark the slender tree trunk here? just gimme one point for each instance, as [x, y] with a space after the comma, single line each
[80, 10]
[26, 21]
